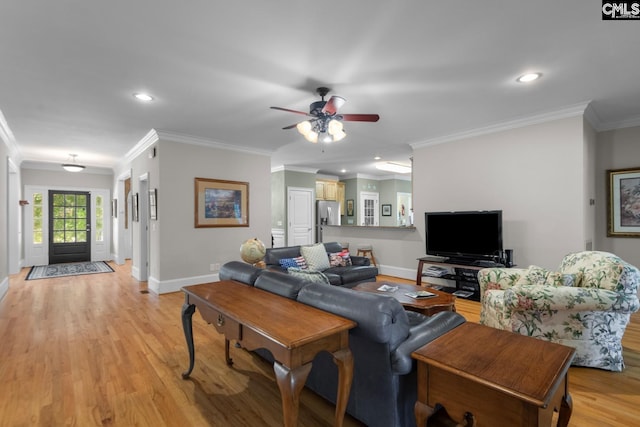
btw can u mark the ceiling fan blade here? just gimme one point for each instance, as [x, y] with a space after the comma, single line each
[333, 104]
[360, 117]
[292, 111]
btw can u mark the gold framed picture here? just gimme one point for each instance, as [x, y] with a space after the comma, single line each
[623, 213]
[221, 203]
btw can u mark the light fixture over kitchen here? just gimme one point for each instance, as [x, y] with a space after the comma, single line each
[72, 165]
[393, 167]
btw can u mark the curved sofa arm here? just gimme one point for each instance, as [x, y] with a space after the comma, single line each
[421, 334]
[240, 272]
[499, 278]
[547, 298]
[360, 260]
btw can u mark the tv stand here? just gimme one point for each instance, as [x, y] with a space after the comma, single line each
[465, 275]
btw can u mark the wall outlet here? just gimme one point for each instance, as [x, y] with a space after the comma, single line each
[214, 267]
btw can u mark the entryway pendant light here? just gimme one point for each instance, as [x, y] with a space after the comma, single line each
[72, 166]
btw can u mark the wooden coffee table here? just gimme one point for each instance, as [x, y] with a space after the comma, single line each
[501, 378]
[427, 306]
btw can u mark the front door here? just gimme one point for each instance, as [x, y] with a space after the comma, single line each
[69, 226]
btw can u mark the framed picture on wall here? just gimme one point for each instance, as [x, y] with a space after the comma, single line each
[221, 203]
[386, 210]
[623, 213]
[134, 208]
[153, 204]
[349, 207]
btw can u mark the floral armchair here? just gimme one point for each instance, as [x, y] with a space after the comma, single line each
[586, 304]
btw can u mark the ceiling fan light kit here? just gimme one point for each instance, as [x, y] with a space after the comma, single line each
[326, 124]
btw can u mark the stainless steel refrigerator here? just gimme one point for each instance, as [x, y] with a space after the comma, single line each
[327, 213]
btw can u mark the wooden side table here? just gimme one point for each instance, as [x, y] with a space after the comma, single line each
[502, 378]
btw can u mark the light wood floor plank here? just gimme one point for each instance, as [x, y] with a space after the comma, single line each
[95, 350]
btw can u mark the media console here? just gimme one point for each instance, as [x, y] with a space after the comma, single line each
[465, 276]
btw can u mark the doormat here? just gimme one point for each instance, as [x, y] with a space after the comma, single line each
[68, 269]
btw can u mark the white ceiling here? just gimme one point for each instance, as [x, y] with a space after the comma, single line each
[68, 69]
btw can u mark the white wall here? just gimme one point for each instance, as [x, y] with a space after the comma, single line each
[616, 149]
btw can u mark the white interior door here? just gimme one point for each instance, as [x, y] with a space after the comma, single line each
[300, 216]
[369, 209]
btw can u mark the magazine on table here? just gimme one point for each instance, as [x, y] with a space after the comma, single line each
[420, 294]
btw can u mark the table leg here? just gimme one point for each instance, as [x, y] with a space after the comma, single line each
[227, 358]
[187, 326]
[566, 407]
[344, 359]
[419, 277]
[290, 383]
[422, 411]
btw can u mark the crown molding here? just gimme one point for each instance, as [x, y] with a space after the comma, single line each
[282, 168]
[567, 112]
[154, 136]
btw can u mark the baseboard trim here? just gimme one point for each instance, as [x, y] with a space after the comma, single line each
[403, 273]
[167, 286]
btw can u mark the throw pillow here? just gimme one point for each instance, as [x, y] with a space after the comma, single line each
[340, 259]
[309, 275]
[316, 257]
[298, 262]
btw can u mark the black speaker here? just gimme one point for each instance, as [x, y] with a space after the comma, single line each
[508, 257]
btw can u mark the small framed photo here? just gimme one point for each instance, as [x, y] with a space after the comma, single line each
[386, 210]
[220, 203]
[153, 204]
[623, 213]
[349, 207]
[134, 208]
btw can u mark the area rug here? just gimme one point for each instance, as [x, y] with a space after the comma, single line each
[68, 269]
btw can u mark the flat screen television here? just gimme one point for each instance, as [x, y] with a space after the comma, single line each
[465, 235]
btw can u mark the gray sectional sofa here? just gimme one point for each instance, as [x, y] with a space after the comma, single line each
[383, 392]
[360, 271]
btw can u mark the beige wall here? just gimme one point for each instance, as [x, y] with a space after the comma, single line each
[534, 174]
[616, 149]
[180, 254]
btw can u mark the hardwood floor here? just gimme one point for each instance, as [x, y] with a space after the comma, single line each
[99, 350]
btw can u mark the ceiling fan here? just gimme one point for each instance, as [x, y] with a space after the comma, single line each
[326, 124]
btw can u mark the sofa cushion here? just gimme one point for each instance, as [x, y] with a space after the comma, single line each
[308, 275]
[538, 276]
[316, 257]
[298, 262]
[354, 274]
[274, 255]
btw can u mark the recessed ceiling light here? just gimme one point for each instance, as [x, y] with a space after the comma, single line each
[143, 97]
[377, 158]
[343, 171]
[529, 77]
